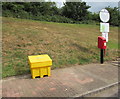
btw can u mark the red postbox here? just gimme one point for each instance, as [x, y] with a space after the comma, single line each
[101, 42]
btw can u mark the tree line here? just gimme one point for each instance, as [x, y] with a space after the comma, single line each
[71, 12]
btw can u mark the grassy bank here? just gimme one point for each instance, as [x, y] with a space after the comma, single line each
[65, 43]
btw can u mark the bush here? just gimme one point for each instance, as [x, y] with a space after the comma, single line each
[7, 13]
[55, 18]
[39, 17]
[23, 15]
[88, 22]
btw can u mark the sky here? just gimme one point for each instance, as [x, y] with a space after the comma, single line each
[96, 5]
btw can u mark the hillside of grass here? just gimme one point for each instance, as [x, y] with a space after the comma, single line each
[66, 44]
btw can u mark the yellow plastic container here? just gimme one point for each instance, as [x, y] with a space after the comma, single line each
[40, 65]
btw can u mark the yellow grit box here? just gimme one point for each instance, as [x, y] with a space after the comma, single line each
[40, 65]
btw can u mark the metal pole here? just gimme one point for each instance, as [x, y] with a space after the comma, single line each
[102, 56]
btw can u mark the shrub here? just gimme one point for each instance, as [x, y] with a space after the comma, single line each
[49, 18]
[7, 13]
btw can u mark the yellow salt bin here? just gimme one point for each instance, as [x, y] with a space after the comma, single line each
[40, 65]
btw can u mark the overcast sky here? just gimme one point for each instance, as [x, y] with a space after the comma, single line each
[96, 5]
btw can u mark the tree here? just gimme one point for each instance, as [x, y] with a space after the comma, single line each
[75, 10]
[95, 17]
[114, 15]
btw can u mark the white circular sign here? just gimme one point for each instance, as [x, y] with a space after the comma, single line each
[104, 15]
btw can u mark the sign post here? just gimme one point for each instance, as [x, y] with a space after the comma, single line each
[104, 28]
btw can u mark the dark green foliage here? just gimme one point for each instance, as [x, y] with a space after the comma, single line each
[43, 11]
[75, 10]
[71, 12]
[34, 8]
[55, 18]
[114, 16]
[95, 17]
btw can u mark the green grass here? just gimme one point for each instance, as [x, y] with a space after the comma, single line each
[113, 45]
[66, 44]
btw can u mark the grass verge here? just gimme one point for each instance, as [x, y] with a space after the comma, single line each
[65, 43]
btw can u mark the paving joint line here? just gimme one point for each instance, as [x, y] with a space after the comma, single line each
[95, 91]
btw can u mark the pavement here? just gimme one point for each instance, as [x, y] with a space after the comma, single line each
[108, 92]
[70, 82]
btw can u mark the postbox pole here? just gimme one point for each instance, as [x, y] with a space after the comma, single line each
[104, 28]
[102, 56]
[104, 52]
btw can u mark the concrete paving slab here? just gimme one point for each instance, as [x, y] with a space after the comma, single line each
[65, 82]
[110, 92]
